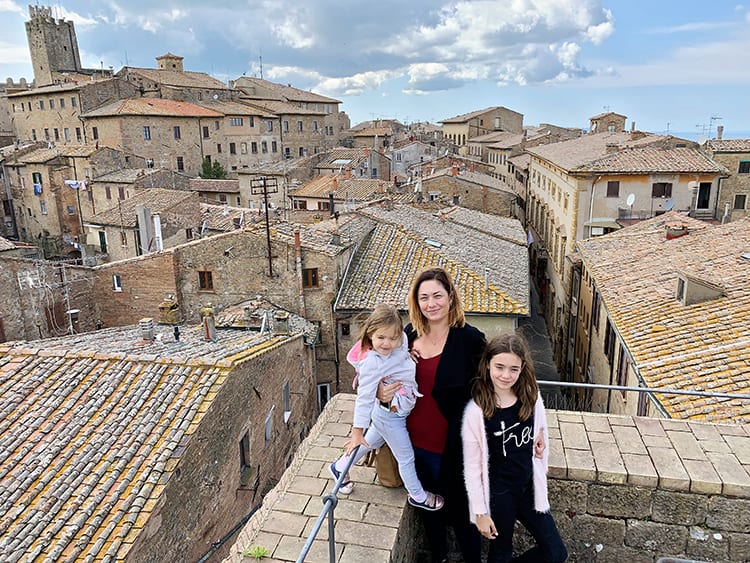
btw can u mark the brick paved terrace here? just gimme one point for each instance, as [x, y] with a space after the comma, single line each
[623, 489]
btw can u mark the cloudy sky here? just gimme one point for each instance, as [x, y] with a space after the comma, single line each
[669, 65]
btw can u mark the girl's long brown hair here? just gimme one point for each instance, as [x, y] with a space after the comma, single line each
[455, 313]
[526, 388]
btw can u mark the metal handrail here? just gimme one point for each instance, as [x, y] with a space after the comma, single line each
[649, 390]
[329, 505]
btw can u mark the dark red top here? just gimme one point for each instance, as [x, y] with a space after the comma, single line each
[427, 426]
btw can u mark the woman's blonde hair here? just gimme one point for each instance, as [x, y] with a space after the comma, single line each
[525, 388]
[456, 311]
[382, 315]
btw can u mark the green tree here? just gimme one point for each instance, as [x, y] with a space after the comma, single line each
[212, 170]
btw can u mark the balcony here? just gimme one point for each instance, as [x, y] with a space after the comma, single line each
[622, 489]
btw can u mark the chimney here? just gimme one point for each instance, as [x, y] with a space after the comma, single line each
[612, 147]
[209, 323]
[719, 132]
[632, 126]
[675, 230]
[146, 326]
[281, 322]
[331, 204]
[335, 183]
[348, 173]
[454, 170]
[336, 238]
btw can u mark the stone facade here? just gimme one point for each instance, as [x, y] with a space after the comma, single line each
[53, 45]
[35, 297]
[734, 193]
[461, 128]
[462, 191]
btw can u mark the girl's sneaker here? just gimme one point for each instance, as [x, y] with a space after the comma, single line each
[347, 486]
[432, 503]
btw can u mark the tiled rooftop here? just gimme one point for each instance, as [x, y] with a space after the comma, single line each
[319, 236]
[279, 107]
[471, 115]
[41, 156]
[214, 185]
[287, 91]
[235, 108]
[127, 175]
[406, 241]
[579, 152]
[6, 244]
[704, 346]
[220, 217]
[158, 200]
[152, 107]
[340, 158]
[91, 428]
[183, 79]
[729, 145]
[654, 159]
[354, 188]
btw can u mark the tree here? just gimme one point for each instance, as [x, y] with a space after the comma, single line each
[213, 171]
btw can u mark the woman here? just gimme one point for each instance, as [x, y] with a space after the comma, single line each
[447, 351]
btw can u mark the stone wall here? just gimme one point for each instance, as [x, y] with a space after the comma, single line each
[470, 195]
[623, 490]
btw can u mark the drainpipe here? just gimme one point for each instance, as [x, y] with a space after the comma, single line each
[298, 262]
[591, 201]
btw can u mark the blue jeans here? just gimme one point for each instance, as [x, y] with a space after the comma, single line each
[507, 506]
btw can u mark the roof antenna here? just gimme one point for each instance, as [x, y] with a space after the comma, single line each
[260, 58]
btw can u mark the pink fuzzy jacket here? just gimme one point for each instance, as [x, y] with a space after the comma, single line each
[476, 460]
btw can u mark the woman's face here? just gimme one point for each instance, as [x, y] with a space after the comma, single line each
[434, 301]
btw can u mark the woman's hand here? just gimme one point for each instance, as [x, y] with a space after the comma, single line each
[415, 352]
[357, 439]
[486, 526]
[539, 446]
[387, 391]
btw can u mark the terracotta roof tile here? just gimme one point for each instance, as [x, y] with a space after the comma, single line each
[467, 116]
[153, 107]
[215, 186]
[351, 189]
[635, 160]
[703, 346]
[156, 199]
[729, 145]
[185, 78]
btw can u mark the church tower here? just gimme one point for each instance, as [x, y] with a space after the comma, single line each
[53, 45]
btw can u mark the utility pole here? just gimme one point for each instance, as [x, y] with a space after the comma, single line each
[265, 186]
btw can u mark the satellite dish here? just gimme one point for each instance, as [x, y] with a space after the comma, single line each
[669, 204]
[631, 199]
[216, 96]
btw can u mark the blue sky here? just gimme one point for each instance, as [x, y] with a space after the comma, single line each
[669, 65]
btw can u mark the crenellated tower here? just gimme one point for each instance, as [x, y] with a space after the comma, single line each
[52, 43]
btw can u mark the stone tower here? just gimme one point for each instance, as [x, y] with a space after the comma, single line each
[53, 45]
[169, 62]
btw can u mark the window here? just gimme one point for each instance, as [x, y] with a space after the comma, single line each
[622, 369]
[235, 121]
[71, 210]
[116, 280]
[595, 308]
[103, 248]
[299, 204]
[62, 103]
[661, 189]
[36, 179]
[243, 148]
[33, 134]
[680, 289]
[324, 206]
[286, 397]
[299, 126]
[609, 342]
[121, 193]
[264, 147]
[218, 148]
[66, 134]
[315, 125]
[254, 147]
[310, 277]
[94, 133]
[52, 104]
[216, 125]
[43, 206]
[346, 329]
[269, 125]
[180, 163]
[73, 102]
[57, 134]
[146, 133]
[176, 130]
[744, 167]
[205, 281]
[149, 163]
[189, 233]
[246, 468]
[108, 192]
[205, 131]
[78, 134]
[251, 121]
[123, 239]
[41, 104]
[286, 126]
[274, 147]
[740, 200]
[232, 148]
[324, 394]
[287, 152]
[613, 188]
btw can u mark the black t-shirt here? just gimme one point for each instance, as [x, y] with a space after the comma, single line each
[511, 447]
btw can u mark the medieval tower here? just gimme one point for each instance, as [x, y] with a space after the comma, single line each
[53, 45]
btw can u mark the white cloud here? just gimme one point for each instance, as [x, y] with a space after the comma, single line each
[10, 6]
[14, 54]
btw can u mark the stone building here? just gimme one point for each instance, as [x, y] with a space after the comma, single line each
[327, 194]
[53, 45]
[362, 163]
[40, 299]
[734, 189]
[147, 222]
[53, 113]
[459, 185]
[593, 185]
[167, 133]
[462, 128]
[608, 122]
[310, 123]
[50, 200]
[408, 154]
[677, 320]
[178, 433]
